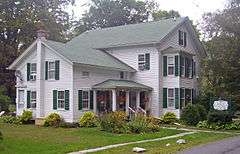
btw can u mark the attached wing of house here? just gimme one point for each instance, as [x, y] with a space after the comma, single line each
[130, 68]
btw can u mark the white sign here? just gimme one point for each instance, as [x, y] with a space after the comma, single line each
[220, 105]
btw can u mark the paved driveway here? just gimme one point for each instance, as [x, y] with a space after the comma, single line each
[227, 146]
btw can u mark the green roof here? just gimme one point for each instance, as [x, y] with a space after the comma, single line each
[124, 84]
[88, 48]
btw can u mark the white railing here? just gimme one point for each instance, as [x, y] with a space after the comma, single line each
[141, 110]
[131, 112]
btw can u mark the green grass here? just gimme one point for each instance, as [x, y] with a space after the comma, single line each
[161, 148]
[32, 139]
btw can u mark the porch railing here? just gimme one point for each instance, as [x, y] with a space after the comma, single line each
[141, 110]
[131, 113]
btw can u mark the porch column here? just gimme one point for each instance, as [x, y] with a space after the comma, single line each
[138, 99]
[127, 101]
[114, 101]
[94, 101]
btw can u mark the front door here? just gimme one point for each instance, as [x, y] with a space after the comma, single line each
[104, 101]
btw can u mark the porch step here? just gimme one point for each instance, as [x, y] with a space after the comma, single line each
[39, 121]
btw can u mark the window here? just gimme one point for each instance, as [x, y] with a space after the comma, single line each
[85, 74]
[123, 75]
[182, 67]
[188, 96]
[21, 96]
[171, 98]
[182, 97]
[85, 99]
[61, 100]
[33, 99]
[51, 70]
[33, 71]
[170, 65]
[141, 62]
[182, 40]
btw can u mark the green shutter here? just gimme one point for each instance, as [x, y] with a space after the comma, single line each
[181, 93]
[164, 65]
[57, 63]
[91, 100]
[181, 63]
[185, 39]
[28, 99]
[28, 71]
[179, 38]
[164, 97]
[192, 68]
[186, 67]
[80, 100]
[177, 98]
[66, 99]
[54, 99]
[176, 65]
[46, 70]
[147, 61]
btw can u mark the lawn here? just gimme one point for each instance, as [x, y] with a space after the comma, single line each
[161, 148]
[32, 139]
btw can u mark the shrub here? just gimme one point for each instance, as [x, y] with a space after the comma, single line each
[192, 114]
[53, 120]
[88, 120]
[169, 118]
[221, 117]
[10, 119]
[26, 117]
[218, 126]
[115, 122]
[1, 136]
[68, 125]
[153, 120]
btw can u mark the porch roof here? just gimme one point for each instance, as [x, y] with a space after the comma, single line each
[121, 84]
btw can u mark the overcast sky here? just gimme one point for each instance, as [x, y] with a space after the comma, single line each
[191, 8]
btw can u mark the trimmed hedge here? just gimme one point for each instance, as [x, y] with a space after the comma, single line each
[88, 120]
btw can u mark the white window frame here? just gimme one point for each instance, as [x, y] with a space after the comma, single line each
[173, 98]
[85, 74]
[141, 62]
[170, 65]
[60, 99]
[182, 67]
[182, 98]
[51, 70]
[33, 74]
[86, 99]
[19, 97]
[33, 101]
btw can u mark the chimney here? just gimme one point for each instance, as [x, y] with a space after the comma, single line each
[41, 32]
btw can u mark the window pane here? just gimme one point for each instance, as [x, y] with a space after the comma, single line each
[51, 65]
[170, 102]
[85, 94]
[60, 94]
[33, 95]
[33, 67]
[170, 70]
[85, 74]
[141, 57]
[170, 93]
[85, 104]
[33, 104]
[61, 104]
[170, 61]
[51, 74]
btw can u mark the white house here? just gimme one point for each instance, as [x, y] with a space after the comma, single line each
[150, 67]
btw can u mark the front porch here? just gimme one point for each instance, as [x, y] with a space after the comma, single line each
[121, 95]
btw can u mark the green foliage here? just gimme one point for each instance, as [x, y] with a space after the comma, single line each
[88, 120]
[12, 108]
[115, 122]
[26, 117]
[221, 117]
[169, 118]
[142, 124]
[218, 126]
[4, 99]
[162, 14]
[53, 120]
[192, 114]
[1, 136]
[10, 119]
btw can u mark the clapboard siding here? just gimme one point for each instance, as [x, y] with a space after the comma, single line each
[95, 76]
[147, 77]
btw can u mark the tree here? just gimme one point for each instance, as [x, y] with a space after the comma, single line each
[222, 68]
[18, 25]
[4, 99]
[110, 13]
[162, 14]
